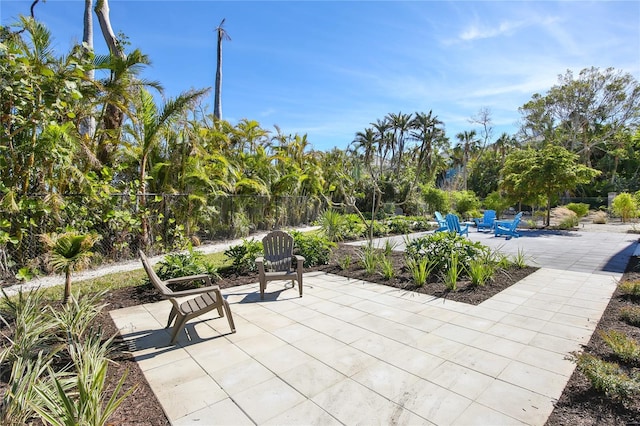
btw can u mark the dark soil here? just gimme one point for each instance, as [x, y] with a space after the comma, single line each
[579, 405]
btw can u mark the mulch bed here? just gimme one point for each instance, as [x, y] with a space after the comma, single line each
[579, 405]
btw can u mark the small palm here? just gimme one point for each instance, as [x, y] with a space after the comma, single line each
[69, 251]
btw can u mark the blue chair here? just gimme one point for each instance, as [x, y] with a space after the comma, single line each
[486, 223]
[442, 223]
[508, 228]
[453, 224]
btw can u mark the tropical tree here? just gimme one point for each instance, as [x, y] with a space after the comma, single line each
[532, 173]
[69, 251]
[582, 113]
[468, 143]
[221, 35]
[146, 132]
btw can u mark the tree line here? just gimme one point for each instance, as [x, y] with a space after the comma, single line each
[87, 145]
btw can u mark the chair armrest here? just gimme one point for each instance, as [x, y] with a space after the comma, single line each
[260, 264]
[299, 260]
[193, 291]
[204, 277]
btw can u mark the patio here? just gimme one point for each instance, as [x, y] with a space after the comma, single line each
[355, 352]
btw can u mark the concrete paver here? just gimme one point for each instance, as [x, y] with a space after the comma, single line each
[355, 352]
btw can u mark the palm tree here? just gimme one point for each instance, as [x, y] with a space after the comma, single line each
[217, 108]
[468, 142]
[147, 131]
[69, 251]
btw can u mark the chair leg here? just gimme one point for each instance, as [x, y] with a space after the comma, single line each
[180, 322]
[172, 315]
[263, 286]
[300, 281]
[227, 309]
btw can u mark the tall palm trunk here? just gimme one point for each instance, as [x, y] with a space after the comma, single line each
[88, 124]
[217, 105]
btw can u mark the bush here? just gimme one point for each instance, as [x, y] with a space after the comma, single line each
[436, 199]
[243, 256]
[183, 264]
[608, 378]
[625, 348]
[315, 248]
[441, 246]
[334, 225]
[625, 205]
[631, 315]
[465, 202]
[569, 222]
[631, 288]
[495, 201]
[600, 217]
[580, 209]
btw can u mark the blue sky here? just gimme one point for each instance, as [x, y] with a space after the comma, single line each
[330, 68]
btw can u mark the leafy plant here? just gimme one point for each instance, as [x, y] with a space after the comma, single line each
[625, 348]
[192, 262]
[580, 209]
[453, 272]
[625, 206]
[519, 260]
[369, 258]
[632, 288]
[386, 268]
[608, 378]
[345, 262]
[440, 246]
[420, 269]
[243, 256]
[389, 246]
[480, 272]
[69, 251]
[75, 317]
[631, 315]
[87, 405]
[315, 248]
[334, 225]
[569, 222]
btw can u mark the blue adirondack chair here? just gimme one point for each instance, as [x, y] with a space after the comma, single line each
[453, 224]
[507, 228]
[442, 223]
[486, 222]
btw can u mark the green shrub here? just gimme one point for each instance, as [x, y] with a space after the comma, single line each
[453, 272]
[495, 201]
[420, 270]
[580, 209]
[345, 262]
[370, 258]
[386, 268]
[630, 315]
[436, 199]
[625, 348]
[519, 260]
[334, 225]
[632, 288]
[192, 262]
[243, 256]
[465, 202]
[315, 248]
[480, 272]
[625, 205]
[439, 247]
[608, 378]
[569, 222]
[399, 225]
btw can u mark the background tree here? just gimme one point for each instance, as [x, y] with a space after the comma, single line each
[221, 35]
[546, 172]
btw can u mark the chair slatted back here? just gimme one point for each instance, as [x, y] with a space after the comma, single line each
[453, 223]
[489, 217]
[153, 277]
[440, 219]
[278, 251]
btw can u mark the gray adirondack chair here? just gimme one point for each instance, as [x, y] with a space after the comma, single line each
[277, 262]
[208, 298]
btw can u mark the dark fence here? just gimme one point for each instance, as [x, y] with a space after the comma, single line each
[173, 221]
